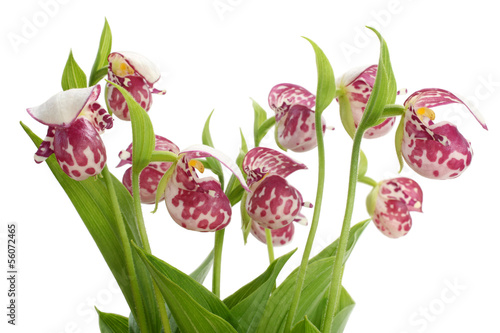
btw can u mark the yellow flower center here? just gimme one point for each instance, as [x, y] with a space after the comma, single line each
[426, 112]
[197, 165]
[121, 68]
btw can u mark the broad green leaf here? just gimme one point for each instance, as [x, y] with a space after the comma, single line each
[73, 76]
[132, 325]
[112, 323]
[326, 90]
[91, 201]
[194, 308]
[346, 305]
[305, 326]
[213, 164]
[384, 89]
[143, 136]
[100, 67]
[248, 302]
[311, 304]
[398, 142]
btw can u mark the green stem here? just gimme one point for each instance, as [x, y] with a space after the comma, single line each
[269, 242]
[219, 241]
[145, 243]
[301, 275]
[335, 287]
[127, 249]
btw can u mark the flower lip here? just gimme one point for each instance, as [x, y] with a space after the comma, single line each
[64, 107]
[140, 64]
[433, 97]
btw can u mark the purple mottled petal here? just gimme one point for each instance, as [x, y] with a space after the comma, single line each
[98, 117]
[403, 189]
[46, 147]
[355, 76]
[297, 129]
[428, 156]
[194, 203]
[274, 203]
[148, 184]
[433, 97]
[201, 151]
[161, 144]
[79, 149]
[62, 109]
[280, 237]
[392, 217]
[285, 95]
[381, 129]
[139, 90]
[260, 161]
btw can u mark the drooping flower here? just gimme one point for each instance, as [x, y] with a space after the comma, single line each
[137, 75]
[294, 117]
[281, 236]
[75, 121]
[199, 203]
[357, 86]
[390, 204]
[151, 175]
[272, 203]
[434, 150]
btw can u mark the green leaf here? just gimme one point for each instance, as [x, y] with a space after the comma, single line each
[73, 76]
[213, 164]
[363, 164]
[384, 89]
[194, 307]
[200, 273]
[112, 323]
[162, 184]
[234, 190]
[133, 327]
[261, 124]
[346, 115]
[398, 141]
[312, 302]
[305, 326]
[143, 136]
[326, 91]
[248, 302]
[100, 67]
[346, 305]
[91, 200]
[246, 221]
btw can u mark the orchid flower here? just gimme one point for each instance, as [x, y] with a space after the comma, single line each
[137, 75]
[390, 204]
[151, 175]
[357, 85]
[199, 203]
[75, 121]
[434, 150]
[294, 117]
[272, 203]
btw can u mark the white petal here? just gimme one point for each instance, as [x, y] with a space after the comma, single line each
[143, 66]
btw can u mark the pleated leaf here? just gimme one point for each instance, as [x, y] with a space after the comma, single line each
[100, 67]
[73, 76]
[112, 323]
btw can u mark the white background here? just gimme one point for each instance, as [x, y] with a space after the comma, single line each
[442, 277]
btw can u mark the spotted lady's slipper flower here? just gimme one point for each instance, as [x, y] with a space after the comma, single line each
[75, 121]
[272, 203]
[137, 75]
[151, 175]
[281, 236]
[294, 116]
[390, 204]
[357, 86]
[434, 150]
[199, 203]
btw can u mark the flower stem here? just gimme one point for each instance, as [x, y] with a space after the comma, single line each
[145, 243]
[301, 275]
[219, 241]
[269, 241]
[129, 262]
[336, 284]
